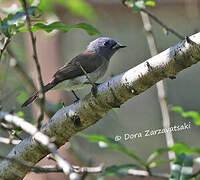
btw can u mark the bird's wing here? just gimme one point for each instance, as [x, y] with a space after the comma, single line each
[89, 60]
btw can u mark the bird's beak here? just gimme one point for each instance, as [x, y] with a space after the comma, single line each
[118, 46]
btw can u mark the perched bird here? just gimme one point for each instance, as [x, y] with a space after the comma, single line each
[89, 65]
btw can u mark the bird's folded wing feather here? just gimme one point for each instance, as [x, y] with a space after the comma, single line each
[89, 60]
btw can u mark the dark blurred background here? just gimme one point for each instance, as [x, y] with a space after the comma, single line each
[138, 114]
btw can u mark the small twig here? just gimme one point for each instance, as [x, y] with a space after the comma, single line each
[39, 137]
[6, 42]
[94, 88]
[190, 41]
[79, 169]
[86, 74]
[163, 24]
[46, 141]
[195, 174]
[52, 168]
[49, 157]
[8, 127]
[35, 57]
[9, 141]
[142, 173]
[14, 133]
[168, 29]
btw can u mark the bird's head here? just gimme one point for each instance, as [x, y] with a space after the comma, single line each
[105, 46]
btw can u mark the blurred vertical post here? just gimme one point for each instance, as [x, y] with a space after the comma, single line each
[192, 10]
[160, 84]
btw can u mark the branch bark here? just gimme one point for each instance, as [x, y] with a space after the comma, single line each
[112, 93]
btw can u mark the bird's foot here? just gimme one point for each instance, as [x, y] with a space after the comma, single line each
[77, 98]
[63, 104]
[94, 89]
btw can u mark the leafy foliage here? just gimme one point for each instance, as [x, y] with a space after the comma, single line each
[193, 114]
[23, 96]
[150, 3]
[106, 142]
[77, 7]
[15, 23]
[180, 148]
[120, 171]
[10, 24]
[182, 167]
[154, 155]
[20, 114]
[60, 26]
[140, 4]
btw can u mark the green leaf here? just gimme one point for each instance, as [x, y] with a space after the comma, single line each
[80, 8]
[45, 5]
[22, 97]
[150, 3]
[62, 27]
[29, 2]
[77, 7]
[180, 148]
[156, 163]
[59, 105]
[7, 29]
[113, 145]
[18, 132]
[12, 22]
[138, 5]
[155, 154]
[120, 171]
[193, 114]
[20, 114]
[34, 11]
[182, 167]
[11, 136]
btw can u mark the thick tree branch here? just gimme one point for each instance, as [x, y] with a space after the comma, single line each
[112, 93]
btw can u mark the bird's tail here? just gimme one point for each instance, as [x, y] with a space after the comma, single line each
[38, 93]
[31, 99]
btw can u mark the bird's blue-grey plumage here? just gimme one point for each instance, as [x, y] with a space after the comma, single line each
[94, 60]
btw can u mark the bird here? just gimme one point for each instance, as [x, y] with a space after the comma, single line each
[84, 69]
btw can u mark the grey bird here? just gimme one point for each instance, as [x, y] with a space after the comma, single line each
[93, 62]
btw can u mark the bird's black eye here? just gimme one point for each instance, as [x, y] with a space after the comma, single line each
[106, 43]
